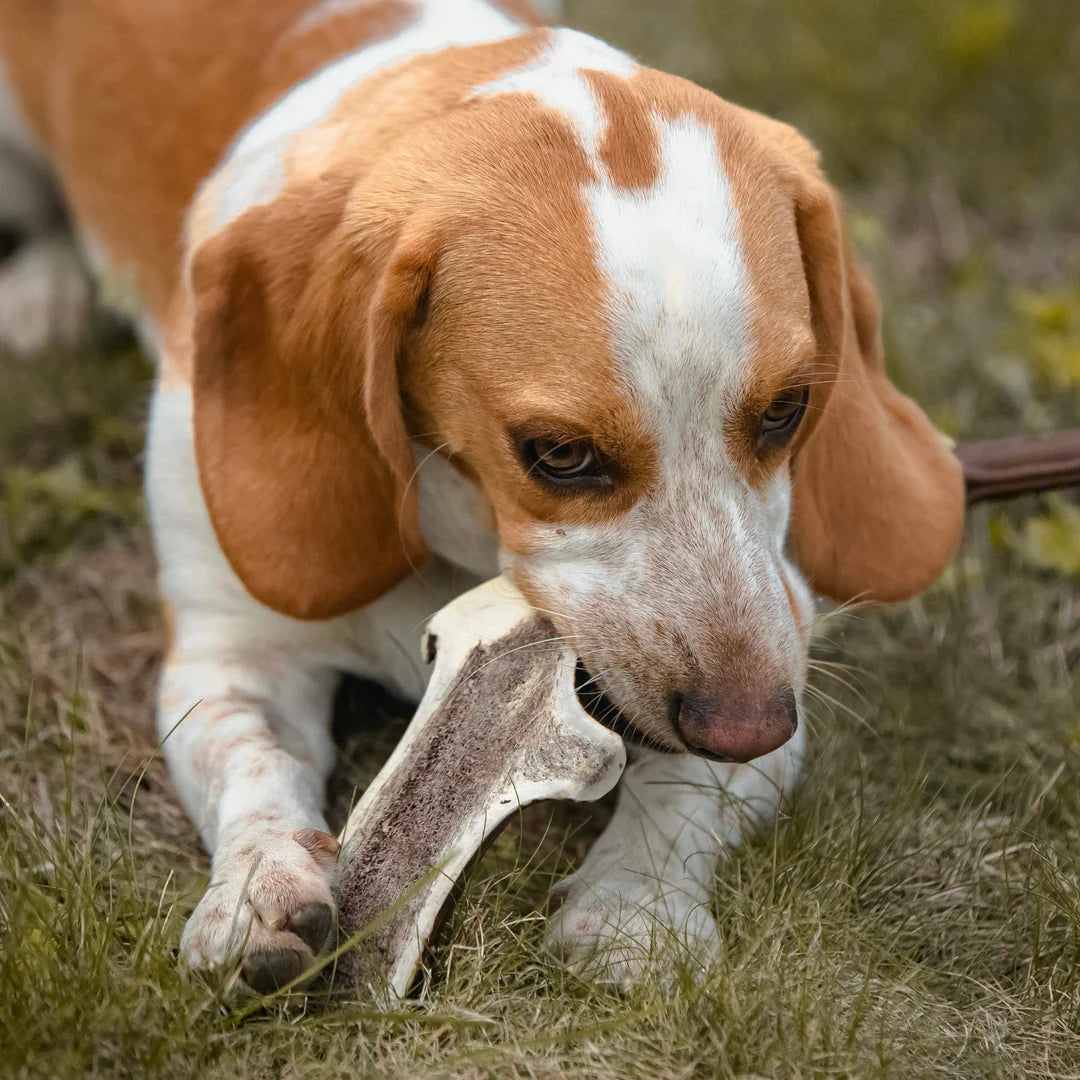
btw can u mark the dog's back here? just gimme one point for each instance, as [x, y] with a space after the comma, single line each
[132, 104]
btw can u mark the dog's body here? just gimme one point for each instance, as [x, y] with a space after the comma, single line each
[454, 294]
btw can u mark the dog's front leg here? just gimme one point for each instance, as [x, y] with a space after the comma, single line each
[641, 897]
[247, 740]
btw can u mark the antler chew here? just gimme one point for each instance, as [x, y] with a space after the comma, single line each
[1020, 464]
[500, 726]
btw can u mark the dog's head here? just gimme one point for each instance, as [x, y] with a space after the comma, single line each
[626, 310]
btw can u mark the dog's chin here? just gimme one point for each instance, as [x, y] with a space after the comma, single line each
[602, 709]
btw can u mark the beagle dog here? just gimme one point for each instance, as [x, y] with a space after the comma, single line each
[435, 291]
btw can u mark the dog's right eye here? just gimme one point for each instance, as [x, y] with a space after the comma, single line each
[561, 460]
[565, 460]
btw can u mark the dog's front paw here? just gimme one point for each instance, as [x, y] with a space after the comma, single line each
[621, 926]
[270, 901]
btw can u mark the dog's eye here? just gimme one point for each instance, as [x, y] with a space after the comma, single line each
[782, 417]
[573, 457]
[563, 459]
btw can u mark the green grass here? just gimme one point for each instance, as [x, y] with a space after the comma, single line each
[915, 913]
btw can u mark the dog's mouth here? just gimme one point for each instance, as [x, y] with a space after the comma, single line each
[604, 711]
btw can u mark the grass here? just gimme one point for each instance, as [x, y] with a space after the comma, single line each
[916, 913]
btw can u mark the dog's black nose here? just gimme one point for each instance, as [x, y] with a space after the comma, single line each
[737, 723]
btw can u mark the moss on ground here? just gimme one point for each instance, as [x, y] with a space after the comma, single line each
[916, 913]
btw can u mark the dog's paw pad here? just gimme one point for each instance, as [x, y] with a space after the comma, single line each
[270, 970]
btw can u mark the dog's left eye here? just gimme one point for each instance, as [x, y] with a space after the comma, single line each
[780, 419]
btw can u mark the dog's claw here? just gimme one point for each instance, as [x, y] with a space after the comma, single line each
[311, 924]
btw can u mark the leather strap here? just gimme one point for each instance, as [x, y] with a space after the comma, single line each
[1019, 465]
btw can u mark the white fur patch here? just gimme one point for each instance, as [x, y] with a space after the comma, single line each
[439, 23]
[325, 10]
[679, 291]
[679, 296]
[555, 78]
[247, 181]
[454, 518]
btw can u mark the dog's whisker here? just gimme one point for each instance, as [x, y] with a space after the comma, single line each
[834, 703]
[847, 684]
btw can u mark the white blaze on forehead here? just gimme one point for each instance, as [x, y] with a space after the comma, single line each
[679, 288]
[679, 296]
[555, 78]
[680, 308]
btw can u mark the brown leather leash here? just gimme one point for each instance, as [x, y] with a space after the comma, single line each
[1019, 464]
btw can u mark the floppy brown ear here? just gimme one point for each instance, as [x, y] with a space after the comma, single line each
[302, 451]
[878, 497]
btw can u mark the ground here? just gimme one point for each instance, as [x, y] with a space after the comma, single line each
[915, 913]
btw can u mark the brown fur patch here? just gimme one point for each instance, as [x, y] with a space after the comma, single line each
[311, 42]
[630, 148]
[793, 603]
[278, 422]
[320, 845]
